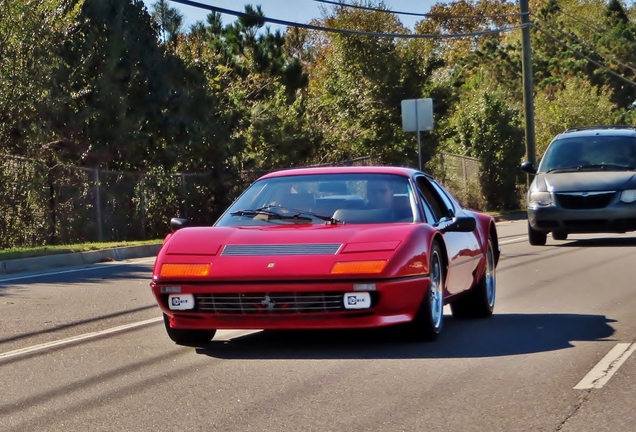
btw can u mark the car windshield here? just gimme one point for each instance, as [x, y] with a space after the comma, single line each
[323, 198]
[590, 154]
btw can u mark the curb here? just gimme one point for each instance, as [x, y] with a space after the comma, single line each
[26, 265]
[514, 216]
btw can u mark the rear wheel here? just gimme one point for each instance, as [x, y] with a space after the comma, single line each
[536, 238]
[479, 302]
[188, 337]
[558, 235]
[427, 324]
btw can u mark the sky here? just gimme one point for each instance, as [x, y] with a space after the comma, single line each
[301, 11]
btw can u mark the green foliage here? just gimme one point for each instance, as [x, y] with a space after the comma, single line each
[29, 33]
[168, 19]
[356, 88]
[260, 88]
[486, 128]
[576, 103]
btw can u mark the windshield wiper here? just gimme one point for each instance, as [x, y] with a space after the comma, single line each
[275, 215]
[601, 166]
[604, 166]
[269, 213]
[561, 169]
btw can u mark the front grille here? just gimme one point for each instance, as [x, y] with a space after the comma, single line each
[271, 303]
[281, 249]
[578, 201]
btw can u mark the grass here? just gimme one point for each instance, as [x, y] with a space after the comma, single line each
[20, 253]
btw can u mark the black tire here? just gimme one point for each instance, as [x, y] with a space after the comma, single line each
[536, 238]
[479, 302]
[427, 324]
[558, 235]
[188, 337]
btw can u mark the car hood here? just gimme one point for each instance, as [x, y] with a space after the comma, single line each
[593, 181]
[282, 252]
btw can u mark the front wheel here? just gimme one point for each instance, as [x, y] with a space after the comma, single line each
[427, 324]
[536, 238]
[558, 235]
[188, 337]
[479, 302]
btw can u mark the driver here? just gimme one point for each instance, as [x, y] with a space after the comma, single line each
[380, 194]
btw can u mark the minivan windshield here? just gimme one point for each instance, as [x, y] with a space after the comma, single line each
[584, 153]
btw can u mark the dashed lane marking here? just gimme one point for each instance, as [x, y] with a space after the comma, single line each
[603, 371]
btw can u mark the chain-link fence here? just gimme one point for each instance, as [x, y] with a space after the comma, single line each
[45, 204]
[460, 175]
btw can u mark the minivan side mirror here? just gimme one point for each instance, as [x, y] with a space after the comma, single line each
[527, 167]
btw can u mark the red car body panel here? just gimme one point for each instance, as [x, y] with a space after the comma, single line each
[236, 270]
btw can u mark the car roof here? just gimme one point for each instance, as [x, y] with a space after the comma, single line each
[613, 130]
[401, 171]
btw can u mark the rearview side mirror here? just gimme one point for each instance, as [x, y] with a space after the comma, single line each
[527, 167]
[460, 224]
[177, 223]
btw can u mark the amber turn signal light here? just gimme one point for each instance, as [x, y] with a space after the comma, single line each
[358, 267]
[184, 270]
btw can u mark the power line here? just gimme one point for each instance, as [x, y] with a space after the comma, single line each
[344, 31]
[588, 47]
[579, 20]
[426, 15]
[596, 30]
[594, 62]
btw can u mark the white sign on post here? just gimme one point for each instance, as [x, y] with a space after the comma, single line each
[417, 116]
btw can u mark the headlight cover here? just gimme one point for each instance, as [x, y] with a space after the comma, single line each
[542, 199]
[628, 196]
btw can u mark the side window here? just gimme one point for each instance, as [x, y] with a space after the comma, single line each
[433, 199]
[428, 212]
[448, 202]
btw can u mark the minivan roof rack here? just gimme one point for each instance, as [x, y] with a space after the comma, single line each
[581, 128]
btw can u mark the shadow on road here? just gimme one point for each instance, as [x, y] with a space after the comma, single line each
[601, 242]
[501, 335]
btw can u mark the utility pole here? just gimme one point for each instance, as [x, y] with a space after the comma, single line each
[528, 87]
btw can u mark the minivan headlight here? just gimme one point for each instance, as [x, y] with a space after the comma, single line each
[542, 199]
[628, 196]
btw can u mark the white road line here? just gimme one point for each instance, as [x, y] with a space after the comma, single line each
[223, 335]
[514, 240]
[603, 371]
[73, 270]
[47, 345]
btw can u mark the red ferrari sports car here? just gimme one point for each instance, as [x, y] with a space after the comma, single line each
[329, 248]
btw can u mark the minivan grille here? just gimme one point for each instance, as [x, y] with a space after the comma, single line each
[580, 201]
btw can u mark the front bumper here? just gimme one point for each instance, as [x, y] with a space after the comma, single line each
[615, 218]
[393, 302]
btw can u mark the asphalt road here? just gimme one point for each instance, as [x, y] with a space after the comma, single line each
[85, 350]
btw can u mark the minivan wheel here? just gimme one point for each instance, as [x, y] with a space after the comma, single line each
[536, 238]
[559, 235]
